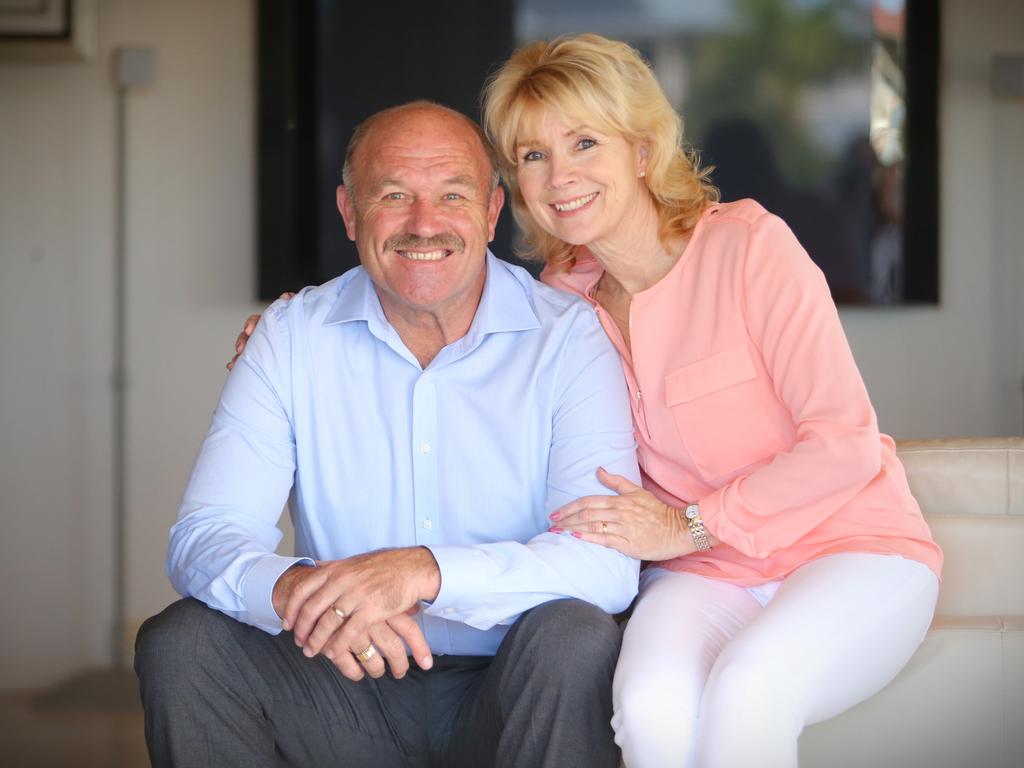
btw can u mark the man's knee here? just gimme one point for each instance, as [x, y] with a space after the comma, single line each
[572, 636]
[171, 641]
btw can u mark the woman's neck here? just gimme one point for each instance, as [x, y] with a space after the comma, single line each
[634, 259]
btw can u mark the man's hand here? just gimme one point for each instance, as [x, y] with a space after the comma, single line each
[375, 591]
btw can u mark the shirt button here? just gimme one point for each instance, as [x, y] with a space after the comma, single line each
[424, 447]
[427, 524]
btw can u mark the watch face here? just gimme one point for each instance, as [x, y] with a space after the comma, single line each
[691, 512]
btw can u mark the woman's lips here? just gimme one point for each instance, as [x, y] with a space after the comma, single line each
[577, 203]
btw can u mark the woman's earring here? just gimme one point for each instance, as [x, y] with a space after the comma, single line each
[642, 174]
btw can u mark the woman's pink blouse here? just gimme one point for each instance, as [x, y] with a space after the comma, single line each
[746, 398]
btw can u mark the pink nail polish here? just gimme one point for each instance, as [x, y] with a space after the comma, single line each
[577, 534]
[556, 529]
[553, 516]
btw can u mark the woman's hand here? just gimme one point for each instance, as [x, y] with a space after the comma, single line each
[247, 329]
[634, 522]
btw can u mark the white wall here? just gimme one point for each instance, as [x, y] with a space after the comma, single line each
[191, 277]
[955, 369]
[958, 369]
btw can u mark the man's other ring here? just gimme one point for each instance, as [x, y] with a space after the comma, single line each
[368, 653]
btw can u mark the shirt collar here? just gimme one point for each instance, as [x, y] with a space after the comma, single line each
[505, 306]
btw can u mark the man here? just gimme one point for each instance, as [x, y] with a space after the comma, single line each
[425, 412]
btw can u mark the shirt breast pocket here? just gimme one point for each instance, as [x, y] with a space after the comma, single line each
[716, 406]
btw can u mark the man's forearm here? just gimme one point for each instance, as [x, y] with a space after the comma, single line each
[491, 584]
[228, 568]
[222, 545]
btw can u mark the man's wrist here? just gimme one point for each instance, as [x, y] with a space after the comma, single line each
[430, 586]
[283, 587]
[258, 586]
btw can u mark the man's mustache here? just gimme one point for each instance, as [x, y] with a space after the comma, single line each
[408, 242]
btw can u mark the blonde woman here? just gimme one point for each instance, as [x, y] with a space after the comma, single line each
[792, 574]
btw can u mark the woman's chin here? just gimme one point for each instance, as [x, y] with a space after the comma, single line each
[572, 235]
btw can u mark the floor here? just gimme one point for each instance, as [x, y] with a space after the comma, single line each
[91, 720]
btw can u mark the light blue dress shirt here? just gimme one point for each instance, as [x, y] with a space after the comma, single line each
[466, 457]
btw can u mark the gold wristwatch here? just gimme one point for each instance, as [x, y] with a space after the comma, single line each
[691, 514]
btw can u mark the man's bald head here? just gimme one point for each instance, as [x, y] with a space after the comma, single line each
[409, 110]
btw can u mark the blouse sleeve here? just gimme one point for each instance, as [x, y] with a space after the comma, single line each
[792, 320]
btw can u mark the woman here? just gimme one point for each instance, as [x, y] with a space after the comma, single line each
[793, 575]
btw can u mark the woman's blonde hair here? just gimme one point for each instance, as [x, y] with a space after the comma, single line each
[607, 85]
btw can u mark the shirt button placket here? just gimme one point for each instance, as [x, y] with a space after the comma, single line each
[424, 438]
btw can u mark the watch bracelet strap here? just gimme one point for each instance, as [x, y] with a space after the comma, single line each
[698, 532]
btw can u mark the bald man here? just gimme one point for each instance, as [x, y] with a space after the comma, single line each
[422, 414]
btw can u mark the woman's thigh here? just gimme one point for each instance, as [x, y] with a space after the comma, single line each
[838, 630]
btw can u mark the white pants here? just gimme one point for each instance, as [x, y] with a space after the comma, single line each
[709, 677]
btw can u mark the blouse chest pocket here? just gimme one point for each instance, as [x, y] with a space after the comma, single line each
[718, 412]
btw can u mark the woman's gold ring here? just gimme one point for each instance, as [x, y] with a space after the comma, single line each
[341, 614]
[604, 527]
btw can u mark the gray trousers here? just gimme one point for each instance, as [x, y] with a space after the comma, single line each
[220, 693]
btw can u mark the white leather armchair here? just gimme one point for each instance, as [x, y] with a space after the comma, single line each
[959, 703]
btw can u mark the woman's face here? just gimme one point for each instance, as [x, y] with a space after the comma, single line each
[579, 184]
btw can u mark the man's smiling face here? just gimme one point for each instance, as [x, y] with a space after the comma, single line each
[422, 212]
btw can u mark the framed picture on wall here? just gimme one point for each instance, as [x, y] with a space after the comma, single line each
[47, 29]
